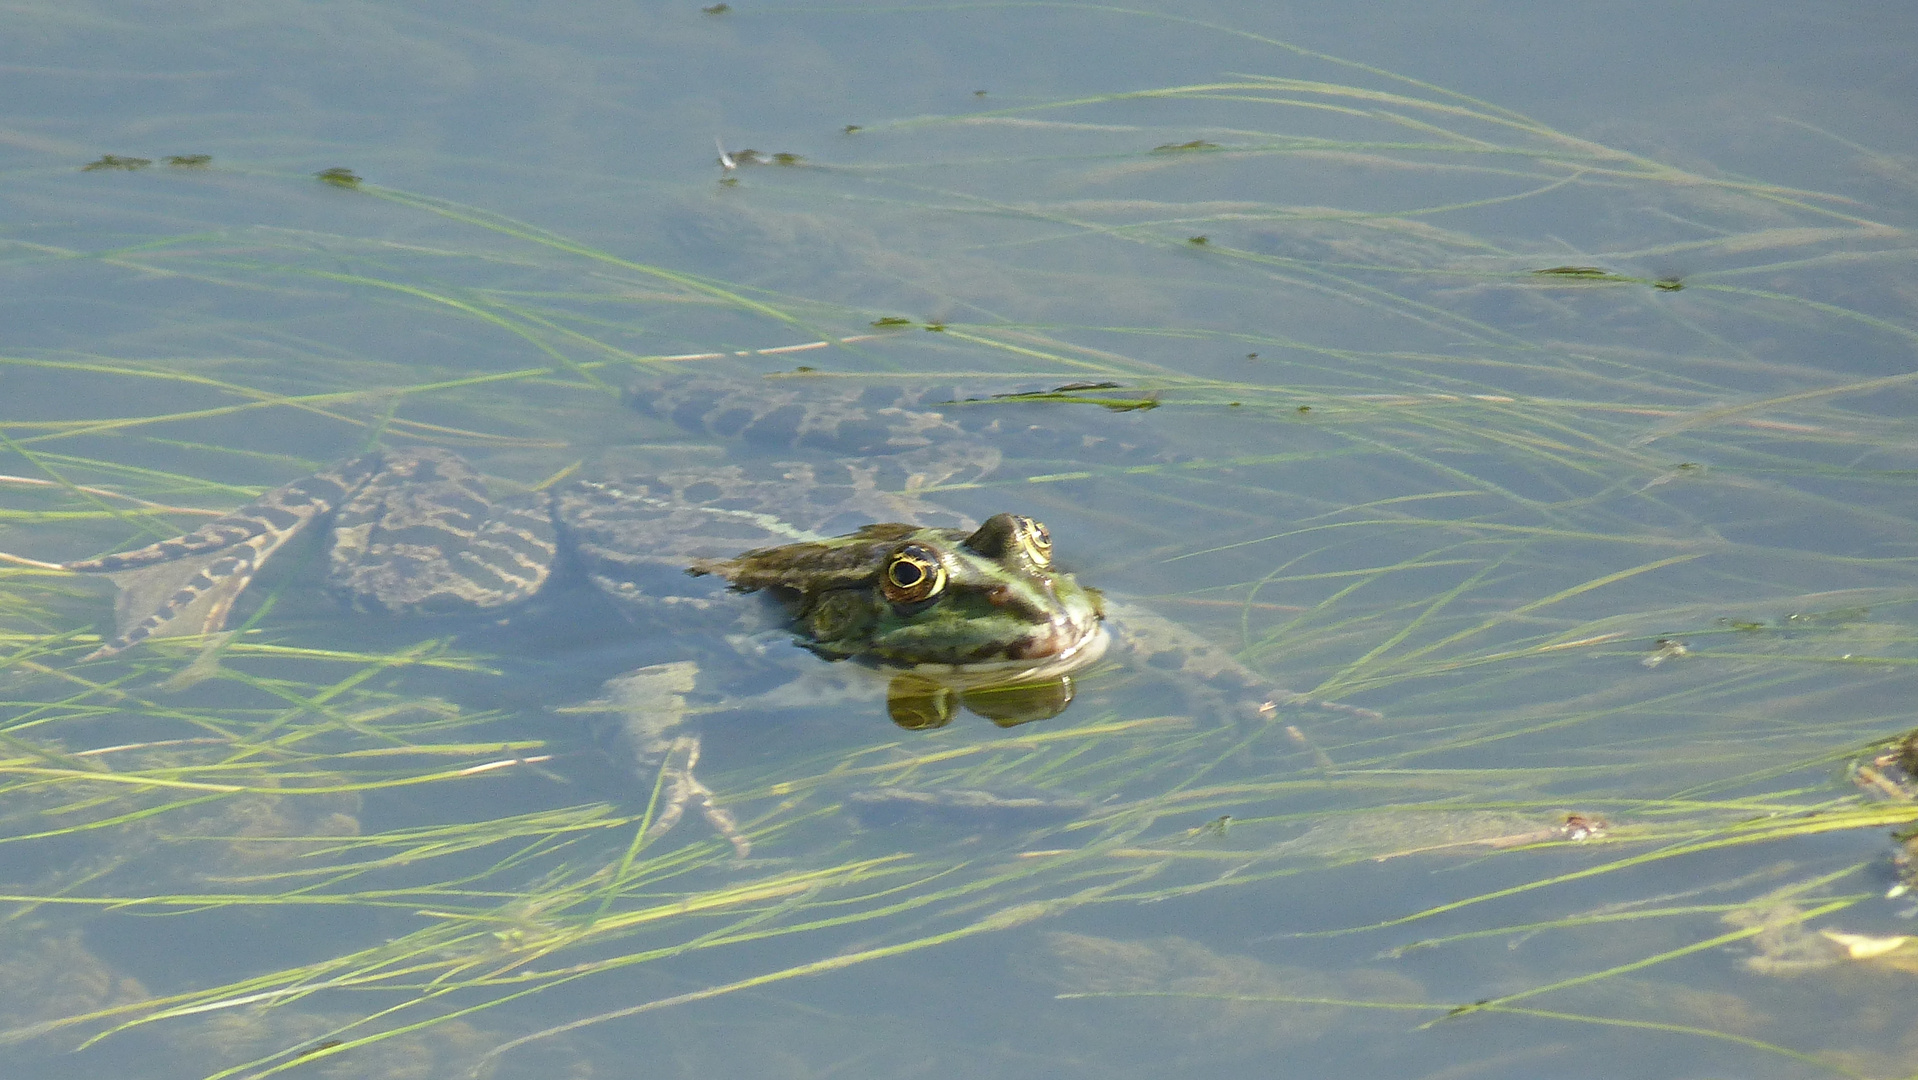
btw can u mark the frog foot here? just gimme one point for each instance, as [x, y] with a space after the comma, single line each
[651, 705]
[681, 787]
[187, 585]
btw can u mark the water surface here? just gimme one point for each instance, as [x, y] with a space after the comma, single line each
[1532, 393]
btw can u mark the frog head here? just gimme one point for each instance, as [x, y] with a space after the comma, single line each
[967, 613]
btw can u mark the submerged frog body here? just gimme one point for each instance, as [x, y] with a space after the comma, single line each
[413, 532]
[954, 612]
[980, 615]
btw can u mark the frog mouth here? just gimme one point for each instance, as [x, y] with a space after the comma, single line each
[1061, 647]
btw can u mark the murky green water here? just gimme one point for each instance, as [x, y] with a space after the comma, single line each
[1532, 393]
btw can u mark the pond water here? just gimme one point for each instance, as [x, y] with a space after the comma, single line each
[1522, 398]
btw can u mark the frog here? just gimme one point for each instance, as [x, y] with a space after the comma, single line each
[413, 532]
[858, 564]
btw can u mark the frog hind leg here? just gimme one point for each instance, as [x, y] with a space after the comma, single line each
[682, 789]
[422, 537]
[187, 585]
[651, 705]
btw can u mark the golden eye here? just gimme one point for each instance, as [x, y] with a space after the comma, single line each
[913, 574]
[1036, 542]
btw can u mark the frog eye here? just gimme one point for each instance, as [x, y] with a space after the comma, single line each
[1036, 542]
[913, 574]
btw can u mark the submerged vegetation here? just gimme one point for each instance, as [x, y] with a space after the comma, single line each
[1622, 578]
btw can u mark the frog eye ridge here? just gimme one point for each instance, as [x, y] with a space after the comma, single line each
[914, 574]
